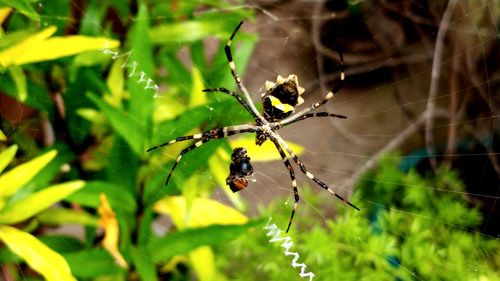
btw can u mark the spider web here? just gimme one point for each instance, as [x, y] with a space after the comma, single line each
[395, 98]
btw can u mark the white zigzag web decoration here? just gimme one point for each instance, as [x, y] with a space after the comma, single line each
[275, 232]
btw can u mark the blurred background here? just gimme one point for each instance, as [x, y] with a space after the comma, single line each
[86, 87]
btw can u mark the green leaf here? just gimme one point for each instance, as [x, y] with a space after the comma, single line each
[37, 202]
[128, 128]
[6, 156]
[16, 178]
[190, 31]
[91, 263]
[182, 242]
[2, 136]
[144, 265]
[23, 7]
[141, 80]
[115, 83]
[198, 212]
[62, 243]
[119, 198]
[20, 80]
[43, 179]
[41, 258]
[60, 216]
[198, 97]
[39, 47]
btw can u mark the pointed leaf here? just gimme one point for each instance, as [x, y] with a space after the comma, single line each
[2, 136]
[190, 31]
[91, 263]
[119, 198]
[6, 156]
[202, 261]
[38, 48]
[183, 241]
[16, 178]
[201, 212]
[20, 80]
[59, 216]
[8, 55]
[38, 256]
[141, 84]
[198, 97]
[125, 126]
[144, 265]
[4, 13]
[23, 7]
[37, 202]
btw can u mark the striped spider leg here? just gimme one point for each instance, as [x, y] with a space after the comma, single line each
[202, 138]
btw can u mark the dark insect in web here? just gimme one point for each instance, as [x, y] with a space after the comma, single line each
[239, 170]
[279, 103]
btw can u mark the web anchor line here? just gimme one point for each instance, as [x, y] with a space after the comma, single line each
[275, 232]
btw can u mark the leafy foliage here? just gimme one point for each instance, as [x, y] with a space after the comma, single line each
[76, 155]
[410, 228]
[83, 78]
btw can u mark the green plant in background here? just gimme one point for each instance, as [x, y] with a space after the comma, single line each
[97, 122]
[410, 228]
[22, 199]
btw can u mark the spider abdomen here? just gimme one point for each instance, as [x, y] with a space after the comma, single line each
[281, 98]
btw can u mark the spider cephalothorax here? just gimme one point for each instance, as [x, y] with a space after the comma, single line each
[239, 170]
[281, 98]
[279, 102]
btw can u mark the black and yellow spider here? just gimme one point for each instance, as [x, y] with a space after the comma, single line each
[279, 102]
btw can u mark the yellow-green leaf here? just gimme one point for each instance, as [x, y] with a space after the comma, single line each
[202, 212]
[265, 152]
[6, 156]
[4, 13]
[198, 97]
[58, 216]
[2, 136]
[24, 7]
[41, 258]
[115, 83]
[16, 178]
[39, 47]
[9, 55]
[202, 260]
[19, 78]
[37, 202]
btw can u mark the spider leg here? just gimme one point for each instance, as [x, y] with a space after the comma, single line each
[292, 176]
[309, 174]
[237, 78]
[235, 95]
[184, 151]
[309, 115]
[217, 133]
[205, 137]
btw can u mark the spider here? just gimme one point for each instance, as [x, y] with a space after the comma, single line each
[279, 102]
[239, 170]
